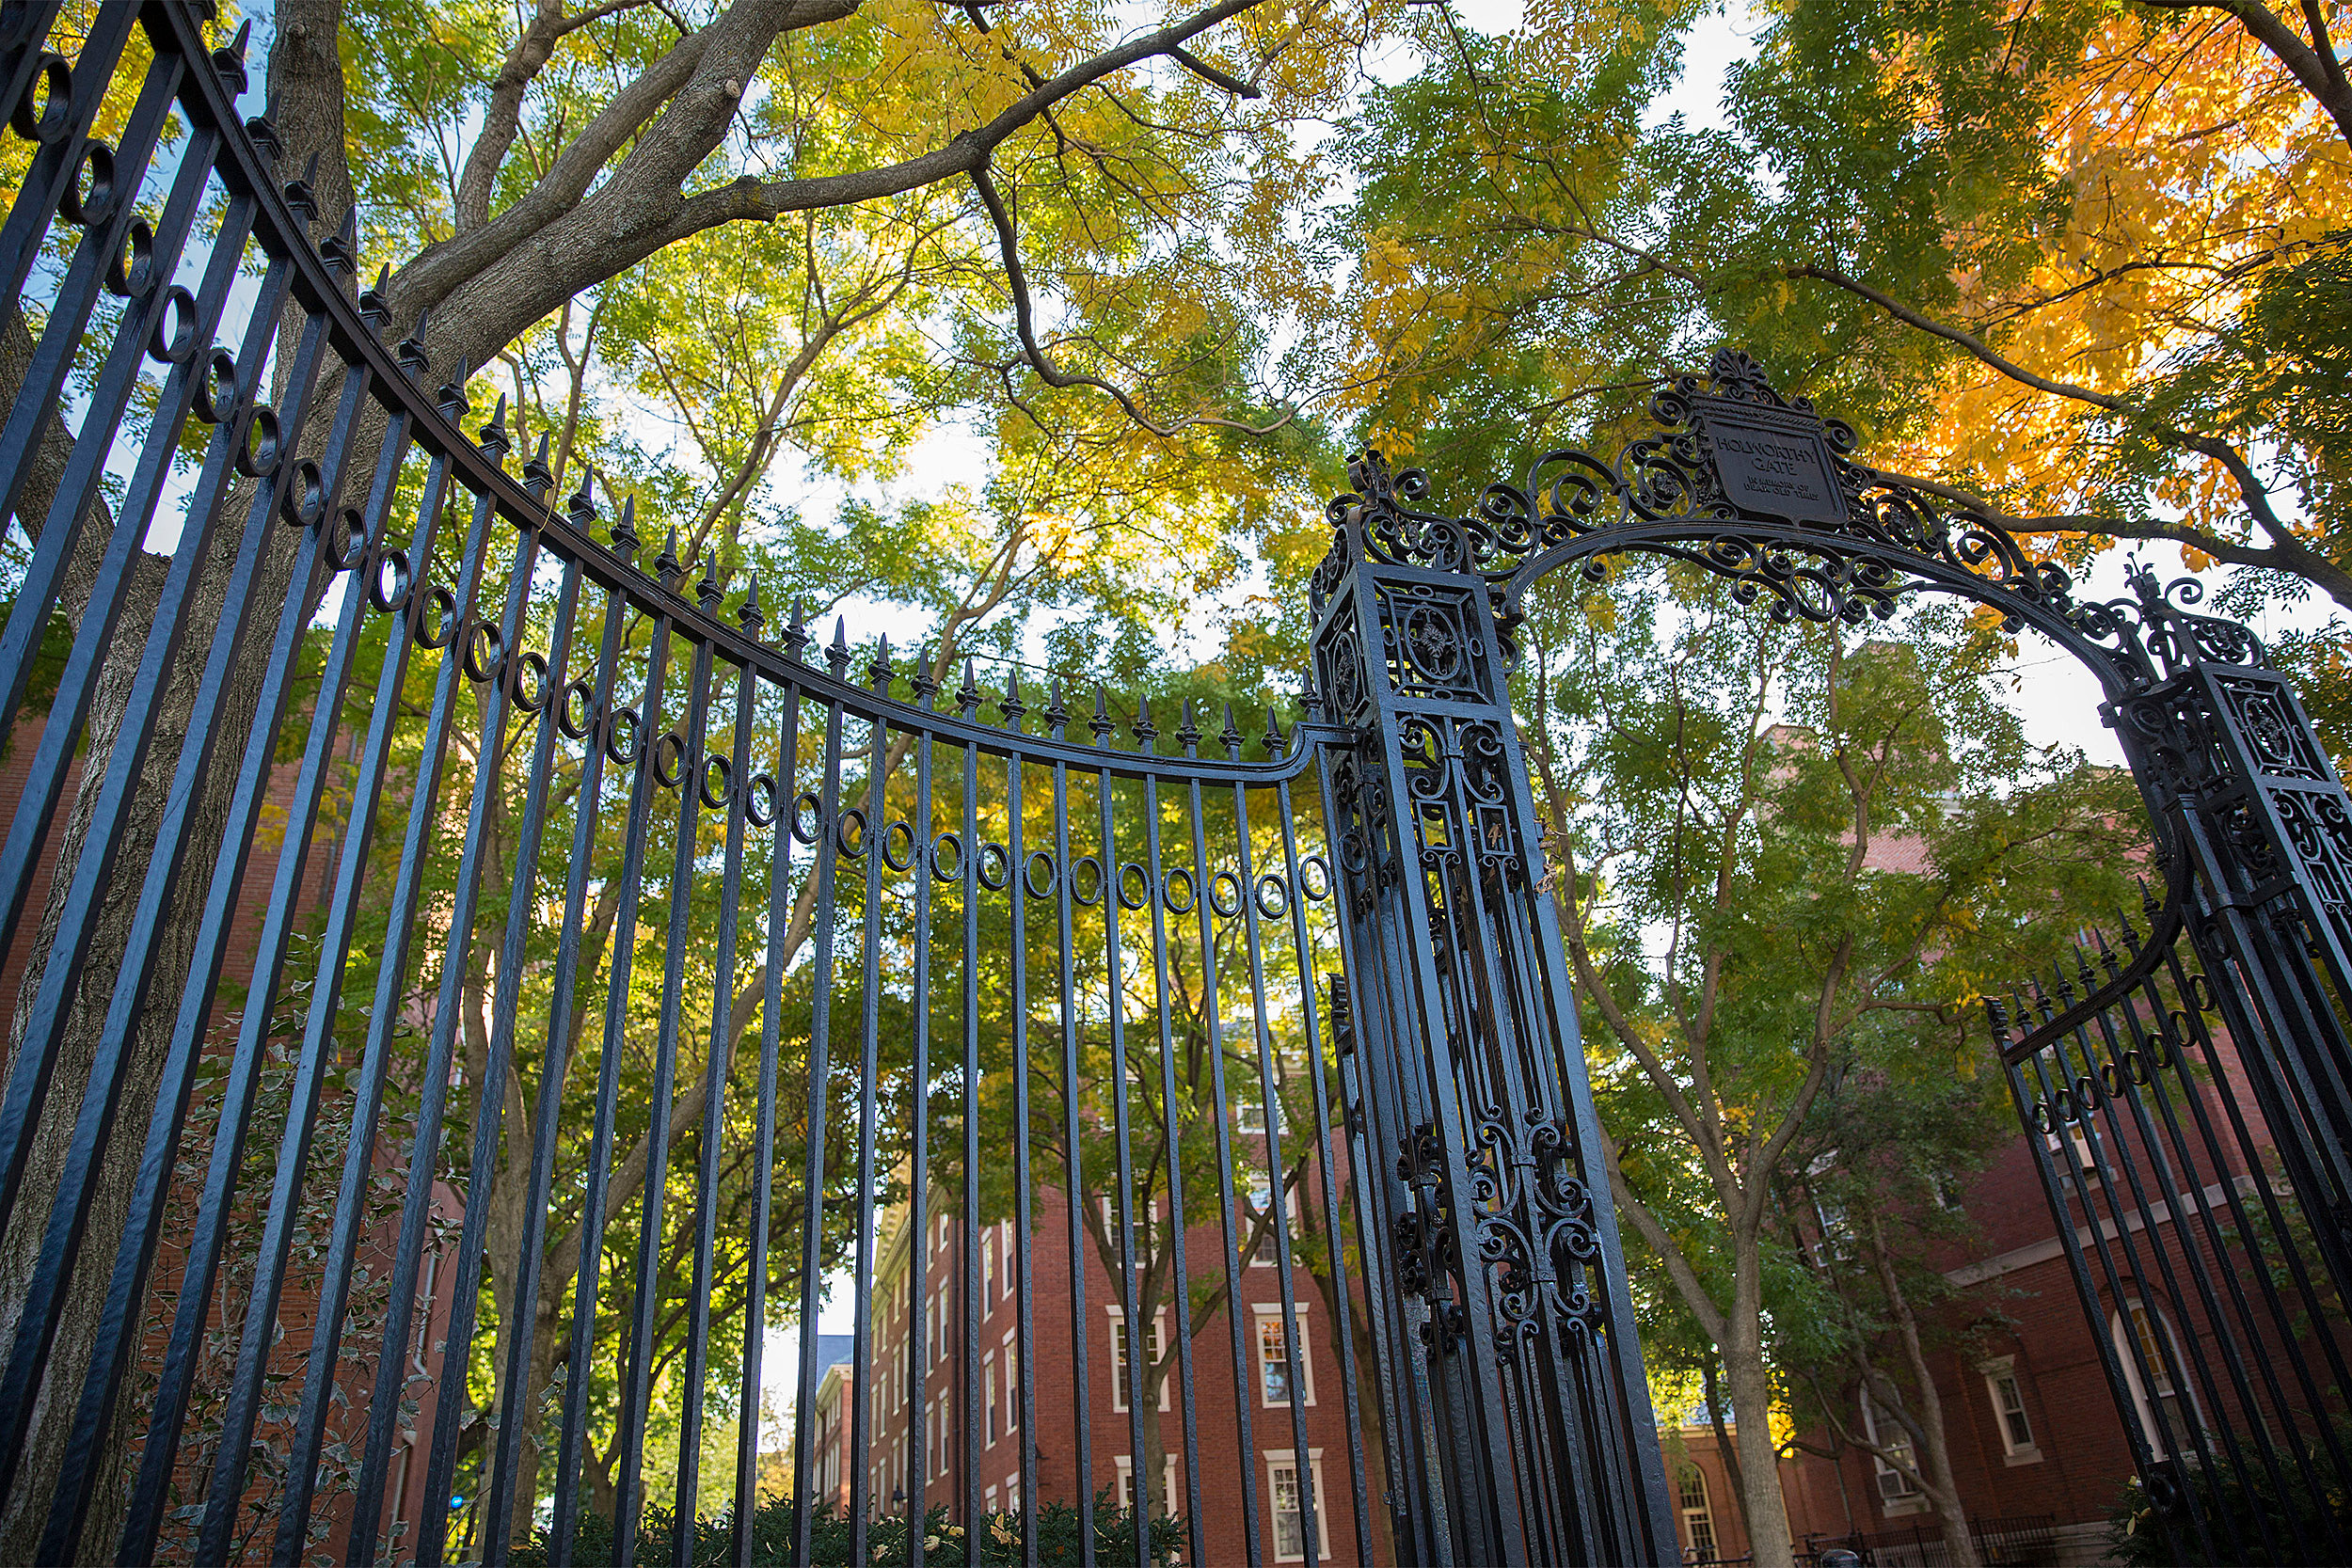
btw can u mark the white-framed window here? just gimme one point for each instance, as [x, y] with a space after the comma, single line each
[1127, 1481]
[2153, 1367]
[1013, 1384]
[1698, 1514]
[988, 1381]
[1121, 1378]
[987, 1270]
[1275, 1370]
[1897, 1492]
[1836, 1229]
[1013, 1493]
[2072, 1152]
[1261, 1199]
[2008, 1395]
[1283, 1505]
[988, 1500]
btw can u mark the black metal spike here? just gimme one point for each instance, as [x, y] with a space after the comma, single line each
[340, 250]
[2083, 970]
[263, 127]
[1010, 704]
[878, 674]
[1187, 731]
[537, 477]
[411, 353]
[1998, 1016]
[666, 565]
[228, 61]
[374, 307]
[748, 615]
[2107, 960]
[1311, 705]
[1231, 735]
[968, 694]
[796, 638]
[1057, 716]
[2061, 985]
[492, 439]
[452, 400]
[706, 592]
[1100, 725]
[839, 655]
[1272, 739]
[303, 196]
[926, 685]
[625, 540]
[2131, 932]
[1146, 731]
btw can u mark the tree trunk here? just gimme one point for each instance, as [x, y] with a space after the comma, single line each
[1934, 1442]
[1752, 1408]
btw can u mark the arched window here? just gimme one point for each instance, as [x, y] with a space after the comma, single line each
[2158, 1378]
[1698, 1519]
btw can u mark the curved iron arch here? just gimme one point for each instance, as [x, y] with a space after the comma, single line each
[1759, 489]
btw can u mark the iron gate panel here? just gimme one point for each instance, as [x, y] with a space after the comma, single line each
[475, 1002]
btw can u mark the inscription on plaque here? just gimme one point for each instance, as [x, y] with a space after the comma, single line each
[1770, 471]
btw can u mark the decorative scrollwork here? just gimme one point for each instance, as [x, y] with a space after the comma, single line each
[1764, 492]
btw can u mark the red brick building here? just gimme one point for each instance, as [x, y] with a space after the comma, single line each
[900, 1473]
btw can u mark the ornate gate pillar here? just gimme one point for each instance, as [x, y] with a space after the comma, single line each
[1519, 1422]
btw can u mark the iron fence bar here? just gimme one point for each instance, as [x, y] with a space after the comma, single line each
[1021, 1386]
[568, 1016]
[1141, 1342]
[2089, 1085]
[1188, 736]
[337, 940]
[63, 146]
[126, 767]
[1343, 1330]
[515, 1421]
[1057, 719]
[976, 1306]
[871, 1381]
[858, 1395]
[1171, 1130]
[209, 1232]
[2175, 1191]
[781, 903]
[1246, 895]
[920, 1328]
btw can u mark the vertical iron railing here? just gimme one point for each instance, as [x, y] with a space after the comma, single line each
[492, 996]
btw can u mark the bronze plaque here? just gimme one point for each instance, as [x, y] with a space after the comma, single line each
[1774, 466]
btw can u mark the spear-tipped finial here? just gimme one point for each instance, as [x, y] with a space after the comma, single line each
[666, 565]
[839, 655]
[968, 694]
[537, 477]
[1188, 730]
[340, 250]
[1231, 735]
[2148, 900]
[411, 353]
[1272, 739]
[926, 685]
[625, 540]
[878, 672]
[1010, 704]
[2131, 932]
[374, 307]
[1056, 715]
[1146, 731]
[303, 196]
[2107, 960]
[749, 615]
[1311, 703]
[580, 506]
[1100, 725]
[796, 638]
[706, 592]
[228, 61]
[1998, 1016]
[263, 127]
[492, 437]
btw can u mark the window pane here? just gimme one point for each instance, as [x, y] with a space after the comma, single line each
[1274, 1362]
[1290, 1534]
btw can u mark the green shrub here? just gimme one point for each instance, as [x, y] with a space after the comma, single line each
[2297, 1518]
[772, 1530]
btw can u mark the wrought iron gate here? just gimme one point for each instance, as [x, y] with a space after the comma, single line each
[493, 985]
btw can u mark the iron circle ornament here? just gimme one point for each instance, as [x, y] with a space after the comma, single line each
[43, 111]
[761, 799]
[898, 831]
[841, 833]
[576, 714]
[994, 868]
[393, 598]
[438, 622]
[1318, 888]
[1225, 895]
[532, 694]
[1134, 886]
[669, 759]
[724, 770]
[1029, 878]
[624, 757]
[1167, 891]
[806, 804]
[1272, 893]
[946, 867]
[1090, 894]
[218, 388]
